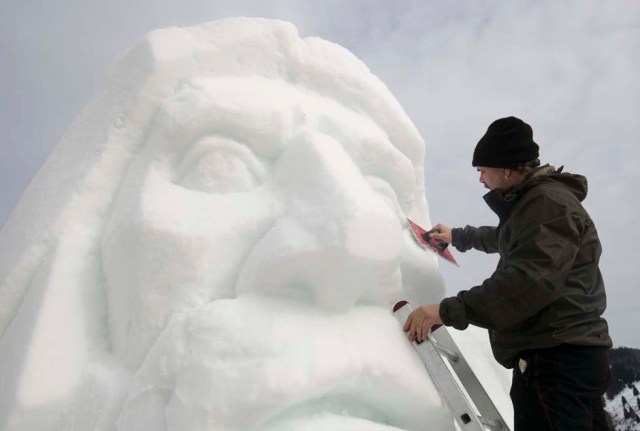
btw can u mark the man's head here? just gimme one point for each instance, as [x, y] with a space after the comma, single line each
[507, 143]
[506, 153]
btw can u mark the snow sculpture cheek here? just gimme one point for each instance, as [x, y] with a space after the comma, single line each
[188, 213]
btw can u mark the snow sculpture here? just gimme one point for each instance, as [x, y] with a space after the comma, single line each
[215, 245]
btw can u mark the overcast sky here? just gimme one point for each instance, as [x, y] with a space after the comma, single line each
[571, 69]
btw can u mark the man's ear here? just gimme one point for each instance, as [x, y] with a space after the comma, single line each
[507, 173]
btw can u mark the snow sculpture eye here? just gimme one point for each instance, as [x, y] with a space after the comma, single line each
[220, 165]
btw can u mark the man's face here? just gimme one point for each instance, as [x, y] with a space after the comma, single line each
[493, 178]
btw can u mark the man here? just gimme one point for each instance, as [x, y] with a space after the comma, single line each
[543, 304]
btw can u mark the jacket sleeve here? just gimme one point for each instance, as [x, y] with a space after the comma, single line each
[545, 240]
[483, 238]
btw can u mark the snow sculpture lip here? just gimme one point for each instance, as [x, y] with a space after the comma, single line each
[291, 363]
[222, 163]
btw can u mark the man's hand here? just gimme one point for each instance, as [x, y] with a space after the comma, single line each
[421, 320]
[441, 232]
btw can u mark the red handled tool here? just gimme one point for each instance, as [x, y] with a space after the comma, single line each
[436, 246]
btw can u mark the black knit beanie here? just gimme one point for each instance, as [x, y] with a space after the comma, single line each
[507, 143]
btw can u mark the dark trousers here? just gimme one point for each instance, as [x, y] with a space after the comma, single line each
[561, 389]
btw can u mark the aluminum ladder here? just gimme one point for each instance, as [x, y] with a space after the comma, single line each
[439, 348]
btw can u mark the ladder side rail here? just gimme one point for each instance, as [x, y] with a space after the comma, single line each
[470, 381]
[463, 412]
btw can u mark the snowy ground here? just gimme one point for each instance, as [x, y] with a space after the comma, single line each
[615, 409]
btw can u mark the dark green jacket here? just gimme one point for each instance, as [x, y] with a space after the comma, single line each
[547, 289]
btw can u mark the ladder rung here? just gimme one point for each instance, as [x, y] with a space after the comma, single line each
[452, 356]
[490, 424]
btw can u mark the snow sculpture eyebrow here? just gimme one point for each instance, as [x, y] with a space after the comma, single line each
[261, 113]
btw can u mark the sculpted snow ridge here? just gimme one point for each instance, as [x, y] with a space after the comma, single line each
[215, 244]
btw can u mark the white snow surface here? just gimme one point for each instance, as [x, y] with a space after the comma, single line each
[614, 407]
[216, 243]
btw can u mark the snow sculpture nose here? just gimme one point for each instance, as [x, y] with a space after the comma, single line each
[338, 241]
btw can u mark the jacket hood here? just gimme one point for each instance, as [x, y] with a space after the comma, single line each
[576, 184]
[503, 201]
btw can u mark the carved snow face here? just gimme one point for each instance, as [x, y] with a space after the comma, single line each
[226, 238]
[252, 186]
[288, 202]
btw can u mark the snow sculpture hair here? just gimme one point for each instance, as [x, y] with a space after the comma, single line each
[223, 216]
